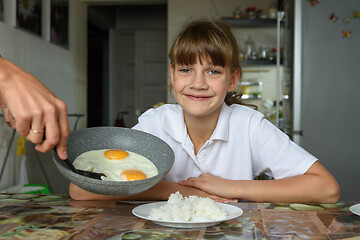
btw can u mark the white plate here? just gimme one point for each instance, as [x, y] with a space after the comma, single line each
[136, 202]
[355, 209]
[143, 211]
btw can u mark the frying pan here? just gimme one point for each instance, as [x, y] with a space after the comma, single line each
[151, 147]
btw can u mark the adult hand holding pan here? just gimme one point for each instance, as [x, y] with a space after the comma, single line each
[147, 145]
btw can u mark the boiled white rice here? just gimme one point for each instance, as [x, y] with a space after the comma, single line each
[188, 209]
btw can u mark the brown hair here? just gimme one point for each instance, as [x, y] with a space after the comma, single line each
[211, 40]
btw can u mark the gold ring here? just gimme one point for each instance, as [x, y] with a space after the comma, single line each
[36, 131]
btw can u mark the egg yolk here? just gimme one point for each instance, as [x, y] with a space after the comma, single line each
[132, 175]
[115, 154]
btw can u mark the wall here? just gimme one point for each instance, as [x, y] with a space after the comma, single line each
[62, 70]
[141, 17]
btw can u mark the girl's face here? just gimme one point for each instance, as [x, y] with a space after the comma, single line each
[201, 88]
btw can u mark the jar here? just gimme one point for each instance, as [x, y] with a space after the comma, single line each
[241, 55]
[253, 55]
[263, 14]
[272, 13]
[237, 13]
[263, 52]
[250, 12]
[245, 90]
[272, 54]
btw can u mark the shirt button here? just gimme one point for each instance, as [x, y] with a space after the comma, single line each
[203, 153]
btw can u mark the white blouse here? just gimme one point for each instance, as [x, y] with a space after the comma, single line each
[243, 145]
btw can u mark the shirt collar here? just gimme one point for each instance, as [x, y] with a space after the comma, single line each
[175, 125]
[221, 131]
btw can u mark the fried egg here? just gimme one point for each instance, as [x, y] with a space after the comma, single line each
[116, 164]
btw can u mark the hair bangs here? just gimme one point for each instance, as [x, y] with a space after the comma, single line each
[189, 53]
[210, 41]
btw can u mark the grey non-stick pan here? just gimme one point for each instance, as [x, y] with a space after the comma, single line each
[126, 139]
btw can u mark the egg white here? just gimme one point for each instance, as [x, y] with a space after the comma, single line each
[95, 161]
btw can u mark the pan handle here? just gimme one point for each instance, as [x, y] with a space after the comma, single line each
[71, 166]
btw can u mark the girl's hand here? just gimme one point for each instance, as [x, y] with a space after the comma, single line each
[223, 200]
[187, 191]
[215, 186]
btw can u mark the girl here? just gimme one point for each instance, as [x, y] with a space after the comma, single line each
[219, 149]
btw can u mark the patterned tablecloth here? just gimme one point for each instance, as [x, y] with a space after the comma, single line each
[28, 216]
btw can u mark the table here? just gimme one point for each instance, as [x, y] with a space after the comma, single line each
[33, 216]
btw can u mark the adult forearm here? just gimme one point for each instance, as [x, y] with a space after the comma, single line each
[3, 76]
[154, 193]
[159, 192]
[32, 109]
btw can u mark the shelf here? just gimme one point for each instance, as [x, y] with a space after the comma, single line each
[251, 96]
[249, 84]
[250, 62]
[233, 22]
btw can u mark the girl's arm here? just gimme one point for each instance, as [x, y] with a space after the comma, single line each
[160, 191]
[316, 185]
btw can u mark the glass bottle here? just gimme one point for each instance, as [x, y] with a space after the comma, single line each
[249, 47]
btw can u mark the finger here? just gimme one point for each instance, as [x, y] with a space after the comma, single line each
[12, 121]
[218, 199]
[3, 107]
[52, 134]
[61, 148]
[5, 111]
[22, 122]
[235, 200]
[190, 182]
[37, 129]
[194, 184]
[227, 201]
[185, 183]
[224, 200]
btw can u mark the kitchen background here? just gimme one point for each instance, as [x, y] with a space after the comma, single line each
[113, 65]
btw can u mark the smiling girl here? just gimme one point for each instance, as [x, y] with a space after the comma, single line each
[220, 148]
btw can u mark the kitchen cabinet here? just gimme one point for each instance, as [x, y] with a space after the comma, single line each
[243, 22]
